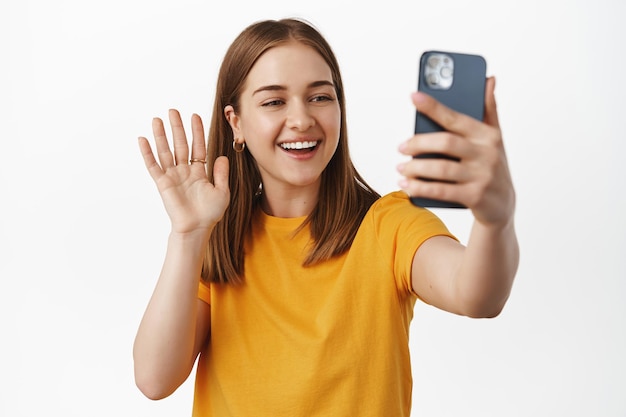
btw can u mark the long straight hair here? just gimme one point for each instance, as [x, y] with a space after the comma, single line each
[344, 196]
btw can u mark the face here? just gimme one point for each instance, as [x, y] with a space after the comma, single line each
[289, 116]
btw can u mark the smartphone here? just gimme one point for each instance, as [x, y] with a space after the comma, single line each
[458, 81]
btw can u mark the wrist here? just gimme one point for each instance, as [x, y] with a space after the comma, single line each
[190, 237]
[500, 219]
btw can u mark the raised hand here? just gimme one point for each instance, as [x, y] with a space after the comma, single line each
[191, 201]
[481, 179]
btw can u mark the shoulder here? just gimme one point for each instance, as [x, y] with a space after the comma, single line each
[397, 202]
[393, 230]
[394, 214]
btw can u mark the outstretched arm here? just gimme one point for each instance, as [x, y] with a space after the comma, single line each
[475, 280]
[175, 324]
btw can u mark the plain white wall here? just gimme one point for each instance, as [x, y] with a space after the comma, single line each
[83, 231]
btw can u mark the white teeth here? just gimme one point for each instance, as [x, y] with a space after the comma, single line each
[298, 145]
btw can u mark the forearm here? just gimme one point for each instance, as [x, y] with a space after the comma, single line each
[486, 274]
[164, 345]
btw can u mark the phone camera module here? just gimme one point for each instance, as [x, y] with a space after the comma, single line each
[439, 71]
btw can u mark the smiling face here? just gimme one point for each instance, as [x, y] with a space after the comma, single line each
[289, 117]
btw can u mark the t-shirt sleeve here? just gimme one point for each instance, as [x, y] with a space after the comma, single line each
[402, 228]
[204, 292]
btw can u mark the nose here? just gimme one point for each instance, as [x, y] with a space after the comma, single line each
[299, 117]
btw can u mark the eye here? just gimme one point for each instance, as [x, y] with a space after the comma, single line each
[272, 103]
[322, 98]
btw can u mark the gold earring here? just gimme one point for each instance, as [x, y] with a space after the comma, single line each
[239, 147]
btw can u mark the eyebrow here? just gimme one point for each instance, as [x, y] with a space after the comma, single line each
[276, 87]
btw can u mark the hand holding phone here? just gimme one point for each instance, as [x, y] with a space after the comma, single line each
[457, 81]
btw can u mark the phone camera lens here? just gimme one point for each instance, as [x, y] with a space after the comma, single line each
[433, 61]
[433, 79]
[446, 72]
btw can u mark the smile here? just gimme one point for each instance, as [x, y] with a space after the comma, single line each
[296, 146]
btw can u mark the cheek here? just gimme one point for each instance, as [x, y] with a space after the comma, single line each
[260, 131]
[333, 124]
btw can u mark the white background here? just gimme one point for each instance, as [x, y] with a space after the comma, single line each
[83, 231]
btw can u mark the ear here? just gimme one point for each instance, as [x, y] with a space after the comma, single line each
[233, 120]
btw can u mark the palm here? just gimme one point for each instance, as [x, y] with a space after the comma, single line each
[191, 201]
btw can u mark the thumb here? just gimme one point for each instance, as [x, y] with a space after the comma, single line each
[220, 173]
[491, 111]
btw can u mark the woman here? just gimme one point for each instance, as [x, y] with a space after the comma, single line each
[291, 278]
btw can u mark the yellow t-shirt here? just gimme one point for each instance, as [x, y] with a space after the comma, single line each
[326, 340]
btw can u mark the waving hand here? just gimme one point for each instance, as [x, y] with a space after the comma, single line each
[191, 201]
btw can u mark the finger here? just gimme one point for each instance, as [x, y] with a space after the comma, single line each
[198, 145]
[491, 111]
[220, 173]
[435, 169]
[447, 118]
[437, 142]
[163, 148]
[435, 190]
[463, 193]
[154, 169]
[181, 147]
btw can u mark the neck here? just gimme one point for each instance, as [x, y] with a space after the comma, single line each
[290, 202]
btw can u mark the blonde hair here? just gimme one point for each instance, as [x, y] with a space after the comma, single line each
[334, 221]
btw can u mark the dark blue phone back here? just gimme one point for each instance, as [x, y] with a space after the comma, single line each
[466, 95]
